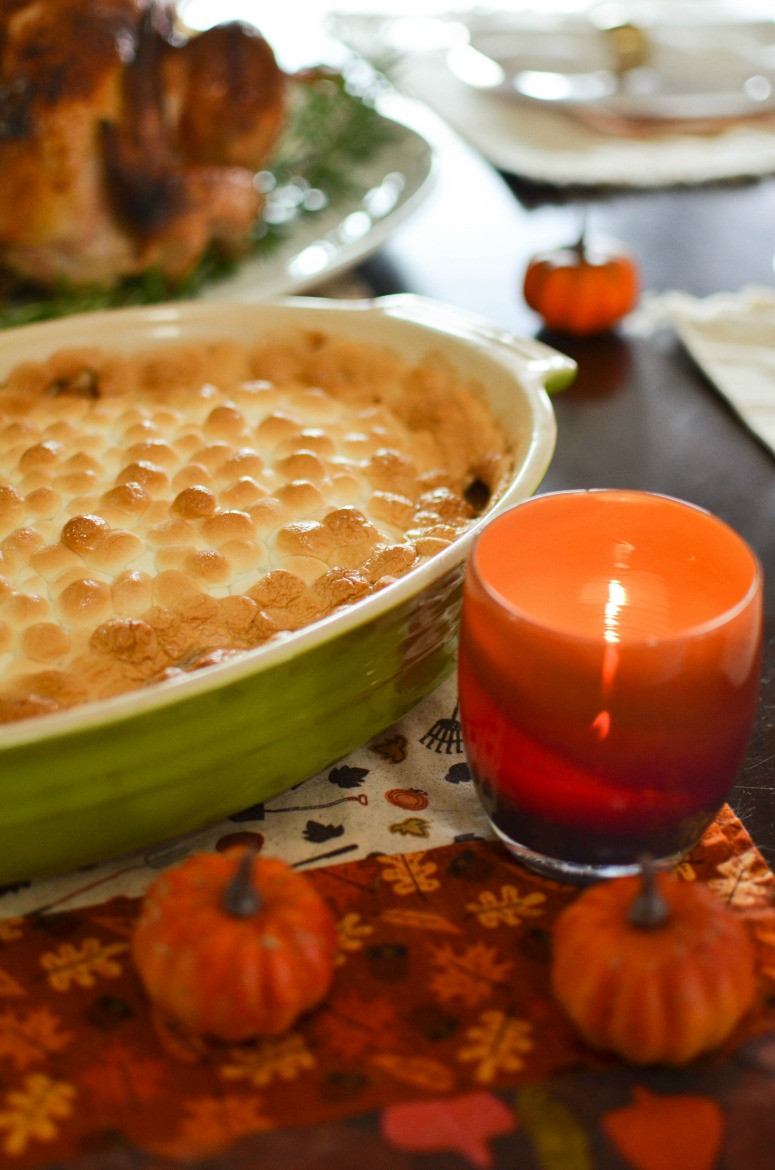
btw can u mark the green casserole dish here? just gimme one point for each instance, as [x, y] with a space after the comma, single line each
[113, 776]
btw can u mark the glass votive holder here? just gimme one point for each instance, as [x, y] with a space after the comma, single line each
[609, 670]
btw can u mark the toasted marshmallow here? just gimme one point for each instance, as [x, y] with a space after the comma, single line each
[164, 511]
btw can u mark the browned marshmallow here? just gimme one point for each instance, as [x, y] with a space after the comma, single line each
[163, 511]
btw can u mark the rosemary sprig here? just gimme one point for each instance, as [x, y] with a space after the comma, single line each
[333, 126]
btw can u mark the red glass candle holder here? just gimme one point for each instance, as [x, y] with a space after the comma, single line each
[609, 669]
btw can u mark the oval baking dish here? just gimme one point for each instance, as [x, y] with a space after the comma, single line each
[112, 776]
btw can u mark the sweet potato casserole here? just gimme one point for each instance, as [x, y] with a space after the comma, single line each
[163, 511]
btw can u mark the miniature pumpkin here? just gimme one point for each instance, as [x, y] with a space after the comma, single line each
[655, 969]
[582, 290]
[234, 946]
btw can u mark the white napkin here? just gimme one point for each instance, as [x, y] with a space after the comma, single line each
[731, 336]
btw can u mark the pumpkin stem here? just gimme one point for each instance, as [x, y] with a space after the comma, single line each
[241, 899]
[580, 247]
[649, 911]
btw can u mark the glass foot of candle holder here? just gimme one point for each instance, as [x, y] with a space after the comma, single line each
[575, 872]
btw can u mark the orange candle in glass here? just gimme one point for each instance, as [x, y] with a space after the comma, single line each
[609, 670]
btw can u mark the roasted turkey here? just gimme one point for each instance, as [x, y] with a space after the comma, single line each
[125, 147]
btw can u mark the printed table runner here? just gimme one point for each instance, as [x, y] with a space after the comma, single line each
[440, 1040]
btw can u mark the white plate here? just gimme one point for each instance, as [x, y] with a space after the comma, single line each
[324, 243]
[546, 143]
[693, 73]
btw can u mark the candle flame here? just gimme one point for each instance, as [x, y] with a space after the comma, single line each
[611, 656]
[602, 724]
[617, 597]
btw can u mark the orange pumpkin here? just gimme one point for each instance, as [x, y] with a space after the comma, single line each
[655, 969]
[580, 289]
[234, 946]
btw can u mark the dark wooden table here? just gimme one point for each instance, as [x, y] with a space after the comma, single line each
[640, 413]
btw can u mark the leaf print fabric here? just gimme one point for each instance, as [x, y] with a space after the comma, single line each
[8, 985]
[507, 906]
[33, 1112]
[419, 920]
[470, 975]
[429, 1075]
[82, 965]
[124, 1074]
[440, 995]
[279, 1058]
[10, 928]
[497, 1044]
[27, 1038]
[411, 827]
[410, 873]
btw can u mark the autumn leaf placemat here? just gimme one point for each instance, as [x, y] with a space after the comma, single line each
[440, 1000]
